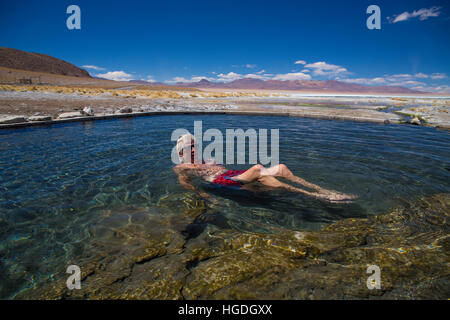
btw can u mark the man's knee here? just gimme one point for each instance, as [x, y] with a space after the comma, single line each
[258, 167]
[283, 169]
[269, 181]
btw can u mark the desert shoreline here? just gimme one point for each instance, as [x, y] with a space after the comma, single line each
[23, 106]
[164, 113]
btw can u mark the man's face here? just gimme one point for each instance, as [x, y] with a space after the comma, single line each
[189, 148]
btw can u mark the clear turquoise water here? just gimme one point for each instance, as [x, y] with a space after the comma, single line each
[60, 186]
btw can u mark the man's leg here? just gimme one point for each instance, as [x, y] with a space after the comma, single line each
[257, 171]
[264, 175]
[271, 181]
[282, 171]
[251, 175]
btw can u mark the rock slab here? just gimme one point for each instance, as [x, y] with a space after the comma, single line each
[40, 118]
[67, 115]
[12, 119]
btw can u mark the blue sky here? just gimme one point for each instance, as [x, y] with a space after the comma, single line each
[170, 41]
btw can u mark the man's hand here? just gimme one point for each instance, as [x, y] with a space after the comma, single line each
[186, 182]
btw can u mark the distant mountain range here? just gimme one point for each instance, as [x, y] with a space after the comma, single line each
[145, 82]
[298, 85]
[17, 59]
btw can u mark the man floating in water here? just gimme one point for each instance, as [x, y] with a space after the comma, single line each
[244, 179]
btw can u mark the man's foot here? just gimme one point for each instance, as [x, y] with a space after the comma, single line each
[336, 197]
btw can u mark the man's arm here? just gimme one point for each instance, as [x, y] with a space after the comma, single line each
[186, 182]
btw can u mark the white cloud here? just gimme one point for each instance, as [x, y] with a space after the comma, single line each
[325, 69]
[438, 76]
[292, 76]
[421, 75]
[231, 76]
[413, 81]
[258, 76]
[366, 81]
[93, 67]
[434, 76]
[436, 89]
[403, 75]
[192, 79]
[116, 76]
[247, 65]
[398, 77]
[300, 62]
[403, 80]
[150, 79]
[423, 14]
[177, 79]
[407, 83]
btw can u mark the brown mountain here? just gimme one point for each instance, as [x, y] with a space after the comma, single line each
[17, 59]
[298, 85]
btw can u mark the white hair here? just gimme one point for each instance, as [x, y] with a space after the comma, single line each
[184, 140]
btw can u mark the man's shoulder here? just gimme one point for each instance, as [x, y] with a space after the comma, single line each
[182, 167]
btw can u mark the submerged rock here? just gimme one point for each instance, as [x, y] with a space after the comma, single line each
[147, 257]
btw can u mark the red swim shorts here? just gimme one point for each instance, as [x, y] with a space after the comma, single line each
[225, 178]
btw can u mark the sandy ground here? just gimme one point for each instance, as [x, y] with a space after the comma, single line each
[54, 100]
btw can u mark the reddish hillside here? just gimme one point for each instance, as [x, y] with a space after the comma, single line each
[17, 59]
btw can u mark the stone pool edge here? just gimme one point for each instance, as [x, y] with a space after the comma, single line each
[201, 112]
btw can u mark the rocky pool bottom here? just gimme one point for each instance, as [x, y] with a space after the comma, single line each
[186, 255]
